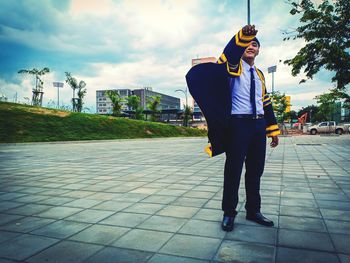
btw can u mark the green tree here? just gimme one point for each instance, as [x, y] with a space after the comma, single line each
[326, 30]
[327, 103]
[134, 103]
[116, 102]
[81, 91]
[38, 89]
[188, 113]
[293, 115]
[153, 104]
[280, 105]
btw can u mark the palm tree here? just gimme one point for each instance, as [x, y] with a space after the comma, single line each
[81, 94]
[116, 102]
[152, 105]
[187, 115]
[134, 103]
[73, 83]
[37, 97]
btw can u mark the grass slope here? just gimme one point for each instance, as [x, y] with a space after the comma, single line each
[23, 123]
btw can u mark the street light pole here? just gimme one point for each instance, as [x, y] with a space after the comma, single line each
[272, 70]
[184, 92]
[58, 85]
[248, 12]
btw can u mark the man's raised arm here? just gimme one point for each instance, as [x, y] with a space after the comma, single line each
[235, 48]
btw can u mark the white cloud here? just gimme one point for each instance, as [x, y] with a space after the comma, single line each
[151, 43]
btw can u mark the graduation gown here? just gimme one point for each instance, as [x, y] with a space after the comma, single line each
[209, 85]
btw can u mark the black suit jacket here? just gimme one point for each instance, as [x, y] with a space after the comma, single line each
[209, 85]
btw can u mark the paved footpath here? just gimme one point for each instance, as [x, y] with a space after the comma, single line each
[159, 201]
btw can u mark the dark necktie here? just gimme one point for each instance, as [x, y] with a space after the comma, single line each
[252, 91]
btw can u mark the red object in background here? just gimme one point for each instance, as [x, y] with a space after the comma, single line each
[302, 118]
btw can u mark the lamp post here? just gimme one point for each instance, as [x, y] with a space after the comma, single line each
[184, 92]
[248, 12]
[272, 70]
[58, 85]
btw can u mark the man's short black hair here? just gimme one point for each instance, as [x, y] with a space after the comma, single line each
[257, 41]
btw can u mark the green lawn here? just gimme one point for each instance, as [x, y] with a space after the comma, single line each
[23, 123]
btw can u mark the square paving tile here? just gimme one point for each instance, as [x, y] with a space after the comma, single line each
[341, 243]
[203, 228]
[300, 211]
[163, 223]
[5, 235]
[60, 229]
[125, 219]
[56, 200]
[11, 196]
[59, 212]
[145, 240]
[213, 204]
[299, 202]
[255, 234]
[66, 251]
[189, 201]
[7, 205]
[338, 227]
[159, 258]
[304, 239]
[178, 211]
[335, 214]
[31, 198]
[172, 192]
[292, 255]
[29, 209]
[334, 204]
[144, 208]
[26, 224]
[237, 251]
[24, 246]
[114, 206]
[209, 214]
[100, 234]
[120, 255]
[83, 203]
[5, 218]
[302, 223]
[90, 216]
[192, 246]
[159, 199]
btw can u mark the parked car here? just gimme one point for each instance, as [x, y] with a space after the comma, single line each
[326, 127]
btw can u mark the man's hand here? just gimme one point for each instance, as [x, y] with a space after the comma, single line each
[249, 30]
[274, 141]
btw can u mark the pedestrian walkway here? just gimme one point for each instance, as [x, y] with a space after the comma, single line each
[159, 200]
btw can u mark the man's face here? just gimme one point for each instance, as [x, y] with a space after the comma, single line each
[251, 51]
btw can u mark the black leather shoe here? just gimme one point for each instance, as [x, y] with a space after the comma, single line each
[227, 223]
[259, 218]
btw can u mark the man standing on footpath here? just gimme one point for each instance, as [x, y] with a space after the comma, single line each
[233, 98]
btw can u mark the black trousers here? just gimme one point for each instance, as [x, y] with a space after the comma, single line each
[247, 144]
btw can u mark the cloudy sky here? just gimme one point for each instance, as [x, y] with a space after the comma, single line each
[113, 44]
